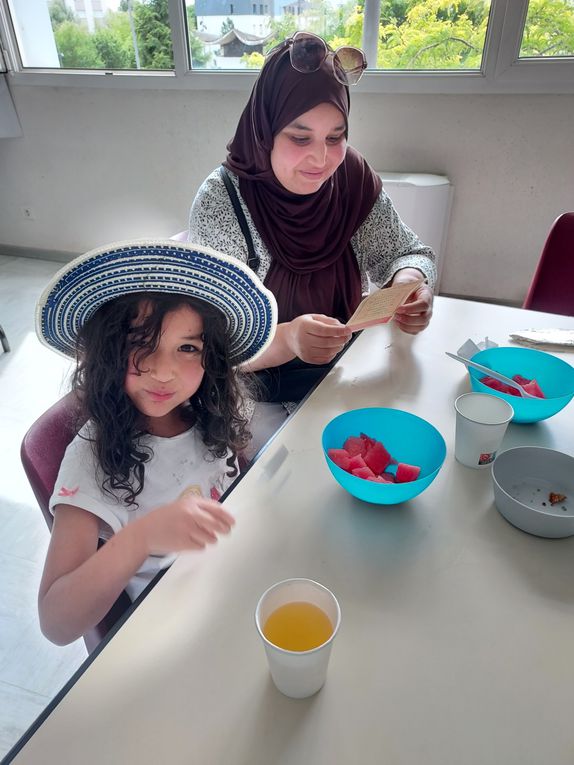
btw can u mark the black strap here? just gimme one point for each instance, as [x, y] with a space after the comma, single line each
[252, 260]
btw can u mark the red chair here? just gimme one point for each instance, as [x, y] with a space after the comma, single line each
[42, 450]
[552, 286]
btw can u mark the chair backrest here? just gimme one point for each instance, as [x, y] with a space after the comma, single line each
[551, 287]
[42, 451]
[43, 448]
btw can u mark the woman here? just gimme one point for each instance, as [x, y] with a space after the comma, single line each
[319, 222]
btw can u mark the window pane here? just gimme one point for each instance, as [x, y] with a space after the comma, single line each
[549, 29]
[93, 34]
[432, 35]
[225, 35]
[412, 34]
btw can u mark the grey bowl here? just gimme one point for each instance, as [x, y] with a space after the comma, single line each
[523, 479]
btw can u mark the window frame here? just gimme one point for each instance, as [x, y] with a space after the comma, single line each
[502, 70]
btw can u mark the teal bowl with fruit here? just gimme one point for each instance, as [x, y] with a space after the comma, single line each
[380, 455]
[548, 378]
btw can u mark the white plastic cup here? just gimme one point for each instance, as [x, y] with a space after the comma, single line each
[298, 674]
[481, 422]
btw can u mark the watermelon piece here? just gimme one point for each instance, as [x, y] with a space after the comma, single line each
[377, 479]
[369, 442]
[406, 472]
[530, 386]
[340, 457]
[377, 458]
[534, 389]
[387, 477]
[363, 472]
[492, 382]
[357, 462]
[520, 379]
[355, 445]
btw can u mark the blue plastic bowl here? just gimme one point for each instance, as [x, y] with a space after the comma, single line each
[554, 376]
[407, 437]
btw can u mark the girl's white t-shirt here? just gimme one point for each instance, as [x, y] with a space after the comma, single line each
[179, 465]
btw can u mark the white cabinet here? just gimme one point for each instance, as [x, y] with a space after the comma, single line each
[423, 203]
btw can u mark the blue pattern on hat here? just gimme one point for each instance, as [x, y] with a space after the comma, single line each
[92, 280]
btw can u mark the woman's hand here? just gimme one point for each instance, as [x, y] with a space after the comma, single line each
[414, 315]
[316, 338]
[189, 523]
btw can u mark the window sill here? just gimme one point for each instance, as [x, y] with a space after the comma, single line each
[523, 77]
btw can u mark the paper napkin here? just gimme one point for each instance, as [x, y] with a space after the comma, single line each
[555, 338]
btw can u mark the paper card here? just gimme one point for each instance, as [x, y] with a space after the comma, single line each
[379, 307]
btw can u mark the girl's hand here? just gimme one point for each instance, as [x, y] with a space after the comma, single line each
[414, 315]
[316, 338]
[189, 523]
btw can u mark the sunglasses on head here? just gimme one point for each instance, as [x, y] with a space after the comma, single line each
[307, 52]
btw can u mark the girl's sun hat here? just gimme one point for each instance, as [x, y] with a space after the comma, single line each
[86, 283]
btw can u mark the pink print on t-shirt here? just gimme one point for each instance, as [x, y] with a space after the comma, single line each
[68, 492]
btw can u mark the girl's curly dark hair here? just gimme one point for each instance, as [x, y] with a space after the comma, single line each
[117, 427]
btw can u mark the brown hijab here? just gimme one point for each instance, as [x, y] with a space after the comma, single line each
[314, 269]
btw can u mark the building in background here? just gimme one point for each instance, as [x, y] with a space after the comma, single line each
[90, 12]
[247, 17]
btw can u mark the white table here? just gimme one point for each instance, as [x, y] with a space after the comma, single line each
[456, 642]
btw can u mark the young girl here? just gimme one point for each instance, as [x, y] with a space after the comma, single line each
[156, 328]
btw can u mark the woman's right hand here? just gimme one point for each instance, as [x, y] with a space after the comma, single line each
[316, 338]
[188, 523]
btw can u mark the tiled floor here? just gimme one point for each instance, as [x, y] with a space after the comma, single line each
[32, 377]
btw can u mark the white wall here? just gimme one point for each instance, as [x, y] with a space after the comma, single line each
[34, 32]
[97, 165]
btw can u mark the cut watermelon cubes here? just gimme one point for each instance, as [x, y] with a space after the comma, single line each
[498, 385]
[533, 388]
[340, 457]
[377, 457]
[530, 386]
[363, 472]
[355, 445]
[367, 458]
[407, 472]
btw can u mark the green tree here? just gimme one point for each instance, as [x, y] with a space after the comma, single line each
[336, 20]
[151, 21]
[119, 24]
[549, 29]
[253, 60]
[227, 26]
[200, 58]
[59, 12]
[395, 11]
[281, 29]
[114, 53]
[76, 48]
[438, 34]
[191, 17]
